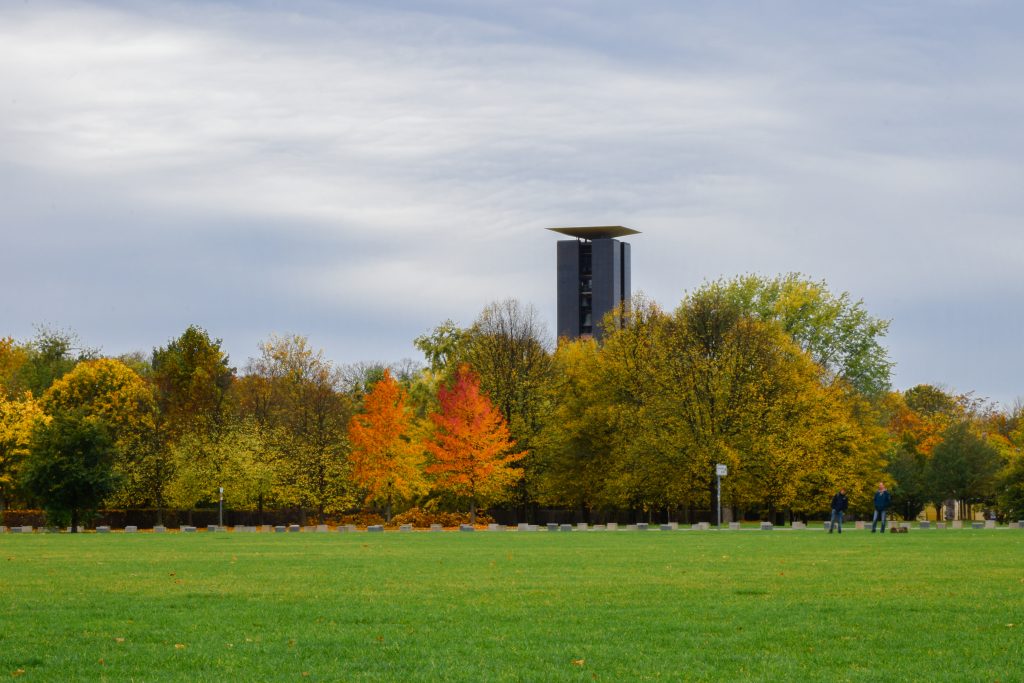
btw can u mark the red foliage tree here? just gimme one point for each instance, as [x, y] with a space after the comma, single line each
[471, 446]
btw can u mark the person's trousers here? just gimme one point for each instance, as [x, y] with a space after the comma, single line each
[837, 521]
[879, 514]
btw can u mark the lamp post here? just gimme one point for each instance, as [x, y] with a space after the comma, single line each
[720, 471]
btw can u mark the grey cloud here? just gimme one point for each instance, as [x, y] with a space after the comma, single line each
[358, 172]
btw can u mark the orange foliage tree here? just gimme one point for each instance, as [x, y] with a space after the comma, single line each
[471, 446]
[385, 459]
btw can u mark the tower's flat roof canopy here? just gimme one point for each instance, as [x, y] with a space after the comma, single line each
[596, 232]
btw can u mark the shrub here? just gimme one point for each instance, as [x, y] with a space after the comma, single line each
[422, 519]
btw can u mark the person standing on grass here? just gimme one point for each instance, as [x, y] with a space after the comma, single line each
[883, 501]
[839, 504]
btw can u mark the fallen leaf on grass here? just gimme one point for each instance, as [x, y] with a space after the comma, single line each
[102, 663]
[179, 646]
[579, 662]
[1010, 625]
[17, 672]
[118, 640]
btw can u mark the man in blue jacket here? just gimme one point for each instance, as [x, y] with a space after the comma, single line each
[883, 501]
[839, 505]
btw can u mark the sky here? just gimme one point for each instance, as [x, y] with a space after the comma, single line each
[359, 172]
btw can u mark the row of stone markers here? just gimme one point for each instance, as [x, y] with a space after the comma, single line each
[611, 526]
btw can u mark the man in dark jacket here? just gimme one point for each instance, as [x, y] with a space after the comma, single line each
[883, 501]
[839, 504]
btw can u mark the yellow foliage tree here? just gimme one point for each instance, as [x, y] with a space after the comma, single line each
[17, 420]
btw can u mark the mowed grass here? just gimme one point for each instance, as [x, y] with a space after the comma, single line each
[614, 606]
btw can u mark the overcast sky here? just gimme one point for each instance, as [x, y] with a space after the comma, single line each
[358, 172]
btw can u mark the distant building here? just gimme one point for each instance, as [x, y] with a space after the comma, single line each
[593, 277]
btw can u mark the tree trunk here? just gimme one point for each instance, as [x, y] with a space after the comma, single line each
[387, 512]
[74, 520]
[259, 510]
[472, 512]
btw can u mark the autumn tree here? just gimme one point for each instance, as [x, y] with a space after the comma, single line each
[917, 420]
[472, 450]
[12, 358]
[295, 395]
[710, 384]
[240, 457]
[18, 418]
[109, 390]
[71, 467]
[574, 448]
[509, 349]
[386, 459]
[191, 379]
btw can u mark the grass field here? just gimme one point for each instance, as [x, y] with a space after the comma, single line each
[612, 606]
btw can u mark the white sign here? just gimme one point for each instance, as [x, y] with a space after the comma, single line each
[721, 470]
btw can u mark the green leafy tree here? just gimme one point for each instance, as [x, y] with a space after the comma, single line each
[965, 467]
[838, 332]
[71, 467]
[50, 355]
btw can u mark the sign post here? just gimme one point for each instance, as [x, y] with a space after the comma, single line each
[720, 471]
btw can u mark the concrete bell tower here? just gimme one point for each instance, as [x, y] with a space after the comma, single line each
[593, 277]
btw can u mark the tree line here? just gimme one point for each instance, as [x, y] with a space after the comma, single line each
[777, 377]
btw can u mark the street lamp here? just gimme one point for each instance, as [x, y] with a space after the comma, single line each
[720, 471]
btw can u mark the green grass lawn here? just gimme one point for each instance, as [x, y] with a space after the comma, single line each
[614, 606]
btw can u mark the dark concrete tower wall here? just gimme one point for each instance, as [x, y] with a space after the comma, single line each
[627, 287]
[569, 288]
[607, 285]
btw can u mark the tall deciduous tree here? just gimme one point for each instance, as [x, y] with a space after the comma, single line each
[838, 332]
[386, 459]
[295, 393]
[472, 450]
[50, 355]
[192, 377]
[71, 467]
[964, 467]
[111, 391]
